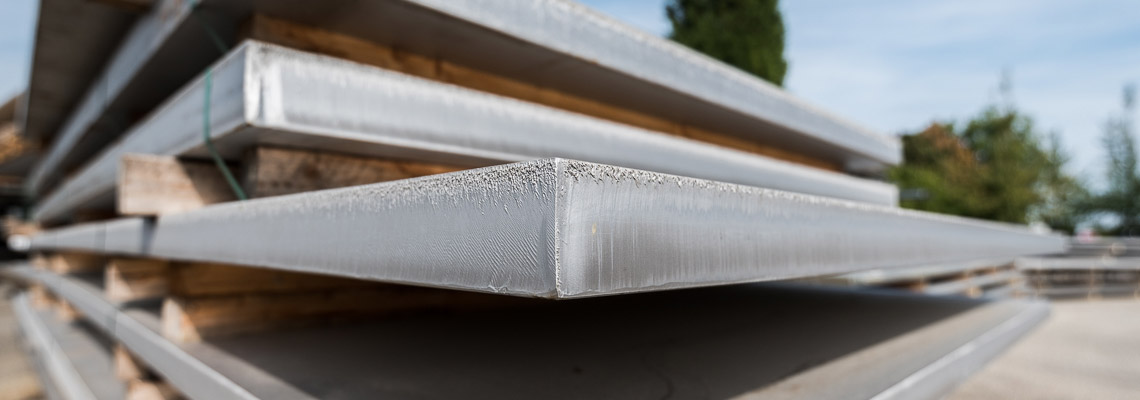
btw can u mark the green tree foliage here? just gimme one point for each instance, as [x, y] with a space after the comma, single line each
[1063, 196]
[994, 167]
[748, 34]
[1121, 200]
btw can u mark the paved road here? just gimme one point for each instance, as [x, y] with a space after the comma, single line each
[1086, 350]
[17, 378]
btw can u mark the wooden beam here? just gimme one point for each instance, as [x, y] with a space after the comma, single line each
[129, 279]
[190, 319]
[71, 263]
[917, 285]
[41, 298]
[206, 279]
[141, 381]
[138, 389]
[82, 216]
[316, 40]
[16, 226]
[65, 311]
[216, 299]
[13, 144]
[40, 261]
[157, 185]
[277, 171]
[127, 367]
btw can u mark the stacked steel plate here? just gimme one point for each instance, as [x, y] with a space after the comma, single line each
[1092, 268]
[384, 198]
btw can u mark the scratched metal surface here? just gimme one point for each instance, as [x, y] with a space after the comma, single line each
[561, 229]
[624, 230]
[264, 94]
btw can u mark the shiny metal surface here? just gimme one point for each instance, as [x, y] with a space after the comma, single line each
[264, 94]
[560, 229]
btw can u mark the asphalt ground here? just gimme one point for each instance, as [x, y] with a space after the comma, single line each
[1087, 349]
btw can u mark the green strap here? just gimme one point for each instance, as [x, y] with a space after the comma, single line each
[210, 143]
[209, 84]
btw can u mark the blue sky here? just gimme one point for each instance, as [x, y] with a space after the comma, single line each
[895, 65]
[17, 26]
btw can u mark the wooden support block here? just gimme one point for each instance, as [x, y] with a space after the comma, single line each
[71, 263]
[142, 382]
[276, 171]
[973, 291]
[317, 40]
[128, 279]
[40, 261]
[186, 319]
[127, 367]
[13, 144]
[206, 279]
[16, 226]
[138, 389]
[916, 286]
[41, 298]
[82, 216]
[306, 38]
[65, 311]
[157, 185]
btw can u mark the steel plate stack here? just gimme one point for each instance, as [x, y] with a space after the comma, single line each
[470, 199]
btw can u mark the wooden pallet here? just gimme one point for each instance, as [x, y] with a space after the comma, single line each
[202, 300]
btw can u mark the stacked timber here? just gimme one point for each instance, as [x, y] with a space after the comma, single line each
[1091, 268]
[382, 198]
[984, 278]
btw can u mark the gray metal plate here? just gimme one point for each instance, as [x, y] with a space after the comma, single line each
[560, 229]
[270, 95]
